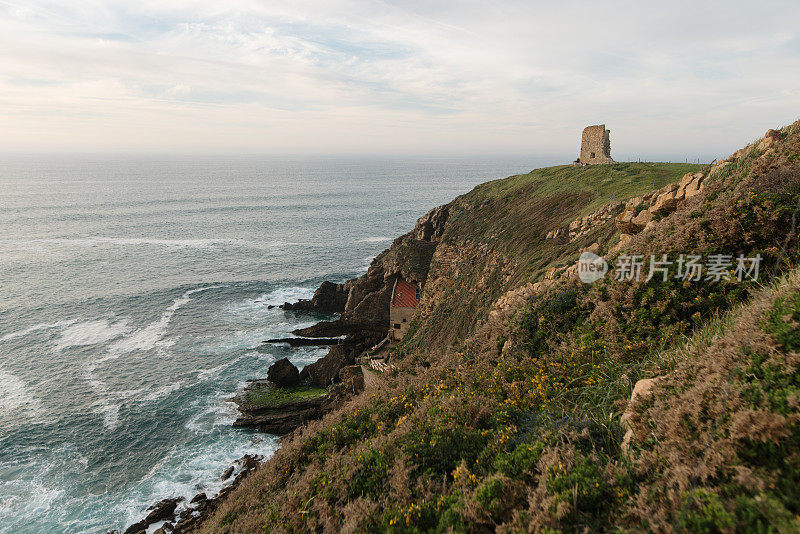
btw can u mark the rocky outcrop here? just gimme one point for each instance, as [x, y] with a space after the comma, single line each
[635, 214]
[639, 212]
[642, 390]
[771, 138]
[365, 317]
[283, 373]
[323, 372]
[161, 511]
[583, 225]
[352, 377]
[430, 227]
[329, 298]
[279, 417]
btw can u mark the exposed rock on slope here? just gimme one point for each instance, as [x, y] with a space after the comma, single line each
[365, 313]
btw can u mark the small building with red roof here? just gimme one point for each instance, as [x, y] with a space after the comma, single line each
[405, 299]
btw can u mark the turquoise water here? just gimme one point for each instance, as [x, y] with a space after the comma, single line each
[133, 292]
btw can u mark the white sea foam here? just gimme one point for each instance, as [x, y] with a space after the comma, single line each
[376, 239]
[36, 328]
[162, 392]
[44, 245]
[91, 333]
[206, 374]
[367, 263]
[110, 413]
[151, 335]
[15, 396]
[187, 471]
[147, 338]
[286, 294]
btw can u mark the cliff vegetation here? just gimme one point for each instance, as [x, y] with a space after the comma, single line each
[509, 405]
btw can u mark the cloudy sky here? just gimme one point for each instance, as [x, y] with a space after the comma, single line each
[670, 79]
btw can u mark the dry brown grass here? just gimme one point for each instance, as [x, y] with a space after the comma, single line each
[541, 420]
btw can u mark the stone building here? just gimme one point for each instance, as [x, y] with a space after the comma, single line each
[405, 299]
[595, 145]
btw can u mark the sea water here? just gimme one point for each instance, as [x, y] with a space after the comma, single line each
[134, 291]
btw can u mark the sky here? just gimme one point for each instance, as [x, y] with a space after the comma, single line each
[671, 80]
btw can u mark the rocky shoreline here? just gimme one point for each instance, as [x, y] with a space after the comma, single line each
[288, 397]
[281, 414]
[177, 516]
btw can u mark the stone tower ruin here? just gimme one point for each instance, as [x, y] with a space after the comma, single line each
[595, 145]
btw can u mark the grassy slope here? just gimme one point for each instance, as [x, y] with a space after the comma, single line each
[515, 214]
[529, 439]
[511, 217]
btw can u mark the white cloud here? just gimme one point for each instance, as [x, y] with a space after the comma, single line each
[694, 78]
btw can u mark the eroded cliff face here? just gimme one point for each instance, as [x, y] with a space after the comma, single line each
[365, 310]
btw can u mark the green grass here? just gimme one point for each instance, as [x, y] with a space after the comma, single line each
[603, 183]
[512, 217]
[515, 214]
[274, 397]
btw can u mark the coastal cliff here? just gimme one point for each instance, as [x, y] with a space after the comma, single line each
[508, 405]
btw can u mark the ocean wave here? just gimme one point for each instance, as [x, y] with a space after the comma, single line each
[91, 333]
[44, 245]
[15, 396]
[187, 471]
[36, 328]
[143, 339]
[161, 392]
[280, 295]
[376, 239]
[150, 336]
[207, 374]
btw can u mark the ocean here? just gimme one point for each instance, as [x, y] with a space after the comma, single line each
[134, 291]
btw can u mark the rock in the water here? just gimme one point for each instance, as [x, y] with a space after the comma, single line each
[283, 373]
[328, 298]
[200, 497]
[225, 476]
[250, 462]
[137, 528]
[164, 509]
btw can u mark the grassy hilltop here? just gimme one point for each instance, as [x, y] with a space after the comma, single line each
[504, 410]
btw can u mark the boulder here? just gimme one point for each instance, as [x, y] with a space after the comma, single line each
[771, 138]
[324, 371]
[690, 185]
[627, 224]
[250, 461]
[641, 390]
[164, 509]
[200, 497]
[283, 373]
[328, 298]
[666, 202]
[137, 528]
[641, 220]
[225, 476]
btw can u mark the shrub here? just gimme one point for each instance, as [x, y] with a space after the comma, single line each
[702, 511]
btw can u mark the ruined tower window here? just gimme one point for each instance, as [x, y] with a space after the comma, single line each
[592, 156]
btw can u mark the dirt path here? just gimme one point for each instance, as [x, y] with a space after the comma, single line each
[370, 378]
